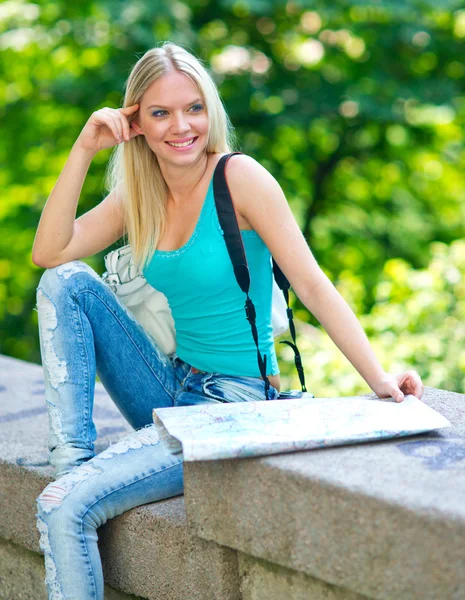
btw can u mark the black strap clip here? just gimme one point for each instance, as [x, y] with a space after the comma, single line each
[250, 311]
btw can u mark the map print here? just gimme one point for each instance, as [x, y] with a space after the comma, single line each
[245, 429]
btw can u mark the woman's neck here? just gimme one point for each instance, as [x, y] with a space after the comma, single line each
[183, 181]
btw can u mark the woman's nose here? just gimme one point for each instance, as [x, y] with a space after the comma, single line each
[180, 124]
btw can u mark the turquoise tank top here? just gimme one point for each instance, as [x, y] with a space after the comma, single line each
[207, 304]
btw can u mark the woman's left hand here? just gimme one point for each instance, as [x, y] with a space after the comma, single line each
[396, 386]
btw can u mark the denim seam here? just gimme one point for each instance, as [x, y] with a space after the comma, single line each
[89, 562]
[83, 539]
[88, 414]
[170, 394]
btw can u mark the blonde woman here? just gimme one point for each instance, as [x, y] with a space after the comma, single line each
[170, 135]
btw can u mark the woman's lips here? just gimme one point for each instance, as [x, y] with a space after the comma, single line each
[183, 148]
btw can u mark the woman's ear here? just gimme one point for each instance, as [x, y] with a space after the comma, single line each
[135, 125]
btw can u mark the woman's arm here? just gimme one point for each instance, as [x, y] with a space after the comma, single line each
[56, 225]
[260, 200]
[343, 327]
[60, 237]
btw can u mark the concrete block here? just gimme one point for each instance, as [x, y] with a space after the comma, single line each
[22, 575]
[147, 551]
[262, 580]
[383, 519]
[162, 560]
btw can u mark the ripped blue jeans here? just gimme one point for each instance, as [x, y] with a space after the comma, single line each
[84, 330]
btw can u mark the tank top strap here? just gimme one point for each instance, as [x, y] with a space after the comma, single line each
[210, 224]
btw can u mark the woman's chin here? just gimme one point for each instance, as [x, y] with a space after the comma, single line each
[183, 156]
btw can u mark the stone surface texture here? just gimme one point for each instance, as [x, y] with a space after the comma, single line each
[262, 580]
[384, 519]
[147, 551]
[155, 539]
[22, 576]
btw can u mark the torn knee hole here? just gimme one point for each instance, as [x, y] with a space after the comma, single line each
[53, 495]
[147, 436]
[65, 270]
[48, 322]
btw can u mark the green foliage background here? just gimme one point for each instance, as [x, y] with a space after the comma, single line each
[357, 108]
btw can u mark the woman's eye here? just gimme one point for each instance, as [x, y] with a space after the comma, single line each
[160, 113]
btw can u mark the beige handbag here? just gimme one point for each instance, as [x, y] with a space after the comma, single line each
[148, 305]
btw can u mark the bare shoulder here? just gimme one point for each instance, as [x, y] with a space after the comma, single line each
[261, 201]
[252, 186]
[246, 175]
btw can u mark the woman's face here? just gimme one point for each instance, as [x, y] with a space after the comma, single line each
[172, 112]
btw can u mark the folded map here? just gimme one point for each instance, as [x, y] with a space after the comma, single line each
[213, 431]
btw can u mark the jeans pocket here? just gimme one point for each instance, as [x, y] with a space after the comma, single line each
[236, 389]
[181, 368]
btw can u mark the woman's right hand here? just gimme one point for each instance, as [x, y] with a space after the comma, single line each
[106, 128]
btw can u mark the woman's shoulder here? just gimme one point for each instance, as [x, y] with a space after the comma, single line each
[251, 186]
[245, 175]
[239, 166]
[236, 163]
[238, 159]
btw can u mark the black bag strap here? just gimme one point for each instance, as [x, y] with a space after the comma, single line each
[232, 236]
[233, 239]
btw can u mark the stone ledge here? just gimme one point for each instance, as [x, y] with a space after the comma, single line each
[262, 580]
[148, 551]
[384, 519]
[381, 520]
[22, 575]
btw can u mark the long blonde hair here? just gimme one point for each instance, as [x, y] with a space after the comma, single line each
[133, 167]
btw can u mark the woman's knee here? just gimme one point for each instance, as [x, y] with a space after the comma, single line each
[59, 280]
[58, 277]
[64, 497]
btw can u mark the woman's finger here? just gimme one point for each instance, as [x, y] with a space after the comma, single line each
[112, 114]
[397, 394]
[391, 389]
[119, 116]
[112, 126]
[123, 113]
[124, 125]
[417, 385]
[128, 110]
[410, 382]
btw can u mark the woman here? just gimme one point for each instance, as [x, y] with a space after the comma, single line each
[171, 133]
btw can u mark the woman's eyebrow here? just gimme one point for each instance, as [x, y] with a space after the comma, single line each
[188, 104]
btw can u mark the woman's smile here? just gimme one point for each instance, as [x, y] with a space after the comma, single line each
[184, 144]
